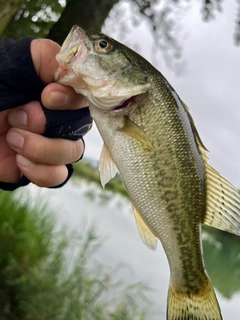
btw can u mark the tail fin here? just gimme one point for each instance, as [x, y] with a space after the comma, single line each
[192, 306]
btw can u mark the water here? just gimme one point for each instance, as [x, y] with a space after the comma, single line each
[81, 205]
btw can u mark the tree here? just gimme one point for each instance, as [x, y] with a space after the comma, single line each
[8, 10]
[54, 19]
[77, 12]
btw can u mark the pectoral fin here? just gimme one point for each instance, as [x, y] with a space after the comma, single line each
[134, 131]
[145, 234]
[107, 166]
[223, 203]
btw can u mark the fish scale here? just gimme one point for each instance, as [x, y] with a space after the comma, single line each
[151, 140]
[161, 177]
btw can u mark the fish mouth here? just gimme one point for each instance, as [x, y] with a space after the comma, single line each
[73, 49]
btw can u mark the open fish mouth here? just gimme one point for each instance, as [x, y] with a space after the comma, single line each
[73, 49]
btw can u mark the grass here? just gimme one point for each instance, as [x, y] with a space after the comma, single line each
[46, 273]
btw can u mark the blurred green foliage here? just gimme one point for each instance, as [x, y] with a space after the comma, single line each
[222, 260]
[46, 273]
[34, 18]
[89, 172]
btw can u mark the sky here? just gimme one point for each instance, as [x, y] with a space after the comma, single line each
[209, 83]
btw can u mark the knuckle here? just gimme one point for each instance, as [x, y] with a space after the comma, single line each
[50, 176]
[78, 150]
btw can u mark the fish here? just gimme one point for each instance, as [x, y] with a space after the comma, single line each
[150, 139]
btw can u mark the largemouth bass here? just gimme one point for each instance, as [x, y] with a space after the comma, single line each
[150, 138]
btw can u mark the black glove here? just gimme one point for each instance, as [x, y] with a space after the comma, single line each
[19, 84]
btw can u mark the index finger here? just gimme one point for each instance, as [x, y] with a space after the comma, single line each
[58, 97]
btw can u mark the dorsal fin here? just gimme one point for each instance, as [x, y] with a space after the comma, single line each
[200, 144]
[145, 234]
[107, 166]
[223, 203]
[223, 200]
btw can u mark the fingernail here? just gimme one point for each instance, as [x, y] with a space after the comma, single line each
[18, 118]
[58, 99]
[15, 139]
[24, 162]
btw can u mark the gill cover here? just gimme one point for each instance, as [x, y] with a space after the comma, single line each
[97, 67]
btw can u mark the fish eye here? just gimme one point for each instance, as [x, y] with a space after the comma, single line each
[103, 46]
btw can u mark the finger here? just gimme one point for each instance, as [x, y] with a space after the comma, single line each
[43, 53]
[43, 175]
[29, 117]
[56, 96]
[4, 125]
[44, 150]
[9, 171]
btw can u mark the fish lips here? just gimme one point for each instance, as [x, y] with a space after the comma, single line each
[73, 50]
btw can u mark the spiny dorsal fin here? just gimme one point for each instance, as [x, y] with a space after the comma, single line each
[107, 166]
[200, 144]
[145, 234]
[132, 130]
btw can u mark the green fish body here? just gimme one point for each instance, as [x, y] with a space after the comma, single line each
[151, 140]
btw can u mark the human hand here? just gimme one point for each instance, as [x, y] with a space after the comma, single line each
[24, 151]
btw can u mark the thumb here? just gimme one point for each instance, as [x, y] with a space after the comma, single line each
[43, 53]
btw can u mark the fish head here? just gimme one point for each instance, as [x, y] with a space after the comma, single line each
[103, 70]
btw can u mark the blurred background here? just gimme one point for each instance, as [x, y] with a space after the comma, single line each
[75, 253]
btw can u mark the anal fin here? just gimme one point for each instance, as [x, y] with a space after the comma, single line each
[223, 203]
[145, 234]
